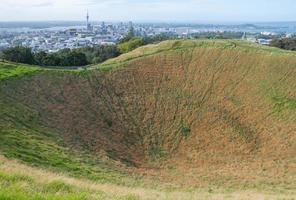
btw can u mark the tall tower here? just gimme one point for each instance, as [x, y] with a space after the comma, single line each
[89, 27]
[87, 20]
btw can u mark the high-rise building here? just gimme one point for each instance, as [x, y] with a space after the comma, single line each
[88, 25]
[87, 18]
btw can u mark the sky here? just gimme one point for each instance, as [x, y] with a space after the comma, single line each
[149, 10]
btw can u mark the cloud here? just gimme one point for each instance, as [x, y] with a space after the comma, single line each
[99, 2]
[146, 10]
[43, 4]
[25, 3]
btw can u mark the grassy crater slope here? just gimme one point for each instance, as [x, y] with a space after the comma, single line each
[196, 113]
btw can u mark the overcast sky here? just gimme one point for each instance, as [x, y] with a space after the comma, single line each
[149, 10]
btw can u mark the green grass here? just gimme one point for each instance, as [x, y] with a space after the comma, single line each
[24, 187]
[282, 104]
[279, 97]
[156, 152]
[23, 137]
[240, 129]
[47, 152]
[235, 100]
[34, 149]
[14, 178]
[11, 70]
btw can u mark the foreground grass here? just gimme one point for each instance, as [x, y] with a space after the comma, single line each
[16, 184]
[20, 182]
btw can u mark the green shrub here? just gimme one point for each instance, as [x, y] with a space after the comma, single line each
[19, 54]
[185, 130]
[14, 178]
[58, 186]
[283, 103]
[130, 45]
[156, 152]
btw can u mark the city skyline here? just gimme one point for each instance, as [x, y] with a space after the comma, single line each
[149, 11]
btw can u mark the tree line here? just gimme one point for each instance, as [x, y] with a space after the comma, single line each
[65, 57]
[285, 43]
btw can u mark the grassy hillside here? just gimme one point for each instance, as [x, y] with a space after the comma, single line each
[10, 70]
[177, 45]
[20, 182]
[23, 134]
[207, 114]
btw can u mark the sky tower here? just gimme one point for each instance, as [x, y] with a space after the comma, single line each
[88, 26]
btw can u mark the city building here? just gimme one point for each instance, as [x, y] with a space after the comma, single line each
[89, 27]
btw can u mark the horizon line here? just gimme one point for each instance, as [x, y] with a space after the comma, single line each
[151, 21]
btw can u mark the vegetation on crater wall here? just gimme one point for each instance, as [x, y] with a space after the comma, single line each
[163, 101]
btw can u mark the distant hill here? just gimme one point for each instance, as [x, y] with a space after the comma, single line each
[39, 25]
[193, 113]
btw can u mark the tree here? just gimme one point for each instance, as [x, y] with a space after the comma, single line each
[156, 38]
[40, 58]
[99, 54]
[68, 57]
[131, 32]
[129, 36]
[130, 45]
[77, 59]
[285, 43]
[51, 60]
[19, 54]
[1, 55]
[64, 57]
